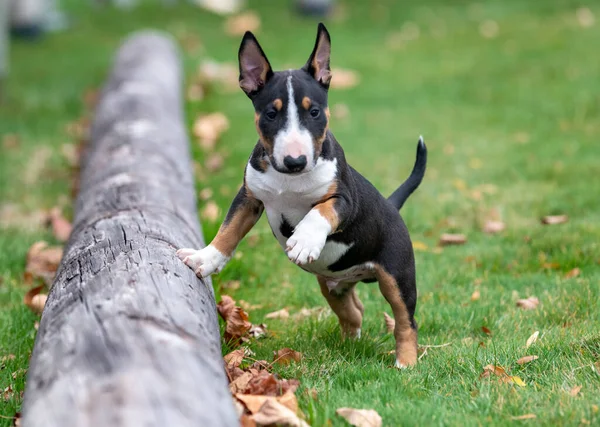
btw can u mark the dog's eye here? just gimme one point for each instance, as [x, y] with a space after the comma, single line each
[315, 113]
[271, 114]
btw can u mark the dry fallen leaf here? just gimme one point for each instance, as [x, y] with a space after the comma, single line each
[61, 227]
[225, 306]
[493, 369]
[530, 303]
[360, 417]
[205, 193]
[585, 17]
[573, 273]
[35, 300]
[211, 212]
[43, 261]
[286, 355]
[265, 383]
[280, 314]
[224, 73]
[476, 295]
[209, 128]
[532, 339]
[239, 24]
[71, 154]
[10, 141]
[452, 239]
[526, 359]
[258, 331]
[274, 413]
[486, 330]
[390, 323]
[524, 417]
[240, 383]
[344, 79]
[214, 162]
[555, 219]
[575, 390]
[235, 358]
[7, 393]
[493, 227]
[237, 325]
[489, 29]
[340, 111]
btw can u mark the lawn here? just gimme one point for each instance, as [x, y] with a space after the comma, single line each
[506, 97]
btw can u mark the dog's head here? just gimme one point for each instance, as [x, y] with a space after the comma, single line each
[291, 111]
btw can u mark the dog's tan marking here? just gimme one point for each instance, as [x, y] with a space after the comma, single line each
[327, 114]
[306, 102]
[264, 141]
[406, 337]
[326, 207]
[233, 231]
[278, 104]
[346, 306]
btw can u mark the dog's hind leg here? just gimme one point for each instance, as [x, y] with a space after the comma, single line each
[400, 292]
[346, 305]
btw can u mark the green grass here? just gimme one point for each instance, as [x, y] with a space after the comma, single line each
[511, 124]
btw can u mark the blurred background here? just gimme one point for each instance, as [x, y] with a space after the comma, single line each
[505, 93]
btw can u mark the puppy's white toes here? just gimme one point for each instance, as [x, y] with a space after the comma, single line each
[400, 365]
[205, 261]
[185, 252]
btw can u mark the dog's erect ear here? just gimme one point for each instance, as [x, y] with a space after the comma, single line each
[318, 63]
[255, 69]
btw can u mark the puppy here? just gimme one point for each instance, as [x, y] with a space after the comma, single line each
[326, 216]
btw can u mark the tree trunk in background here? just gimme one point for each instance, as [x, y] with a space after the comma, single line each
[129, 336]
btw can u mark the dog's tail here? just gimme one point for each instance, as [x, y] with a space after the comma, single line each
[399, 196]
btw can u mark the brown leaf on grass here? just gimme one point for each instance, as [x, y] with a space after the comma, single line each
[239, 24]
[34, 300]
[318, 312]
[265, 383]
[235, 357]
[554, 219]
[71, 154]
[390, 323]
[530, 303]
[360, 417]
[225, 306]
[10, 141]
[476, 295]
[195, 93]
[17, 419]
[524, 417]
[447, 239]
[209, 128]
[214, 162]
[240, 383]
[224, 73]
[7, 393]
[486, 330]
[43, 261]
[344, 79]
[211, 212]
[490, 369]
[340, 111]
[575, 391]
[279, 314]
[12, 215]
[61, 227]
[493, 227]
[532, 339]
[286, 355]
[36, 165]
[273, 412]
[205, 194]
[585, 17]
[573, 273]
[231, 285]
[526, 359]
[237, 325]
[258, 331]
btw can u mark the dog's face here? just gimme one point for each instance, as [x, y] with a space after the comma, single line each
[291, 111]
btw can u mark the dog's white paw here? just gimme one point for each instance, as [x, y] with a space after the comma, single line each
[304, 248]
[204, 261]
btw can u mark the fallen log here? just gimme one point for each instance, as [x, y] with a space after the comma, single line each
[129, 335]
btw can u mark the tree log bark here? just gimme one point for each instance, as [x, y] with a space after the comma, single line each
[129, 336]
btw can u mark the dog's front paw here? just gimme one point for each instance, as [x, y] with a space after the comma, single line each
[205, 261]
[304, 248]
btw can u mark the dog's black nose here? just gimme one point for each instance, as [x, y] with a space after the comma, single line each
[295, 164]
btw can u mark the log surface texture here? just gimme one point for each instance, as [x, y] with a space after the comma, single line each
[129, 335]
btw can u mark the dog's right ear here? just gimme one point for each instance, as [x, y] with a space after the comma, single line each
[255, 70]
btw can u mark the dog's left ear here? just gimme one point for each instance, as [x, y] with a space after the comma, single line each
[318, 63]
